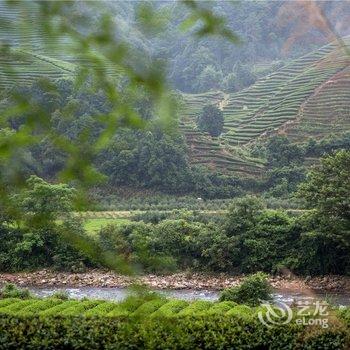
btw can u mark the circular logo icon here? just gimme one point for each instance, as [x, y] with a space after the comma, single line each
[275, 315]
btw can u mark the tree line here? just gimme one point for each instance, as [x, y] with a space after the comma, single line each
[247, 239]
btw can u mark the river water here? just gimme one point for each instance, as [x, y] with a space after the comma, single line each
[118, 294]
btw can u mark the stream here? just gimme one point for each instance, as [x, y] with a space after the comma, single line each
[118, 294]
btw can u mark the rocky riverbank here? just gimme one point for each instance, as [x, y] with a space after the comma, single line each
[99, 278]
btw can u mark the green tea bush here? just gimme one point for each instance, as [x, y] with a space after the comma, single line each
[80, 307]
[149, 307]
[127, 306]
[118, 311]
[196, 308]
[344, 313]
[252, 291]
[39, 305]
[7, 301]
[101, 309]
[16, 306]
[221, 308]
[55, 310]
[200, 325]
[171, 308]
[241, 311]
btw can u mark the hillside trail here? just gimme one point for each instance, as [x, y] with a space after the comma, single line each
[224, 102]
[221, 105]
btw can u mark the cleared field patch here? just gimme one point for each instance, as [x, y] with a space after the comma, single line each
[94, 225]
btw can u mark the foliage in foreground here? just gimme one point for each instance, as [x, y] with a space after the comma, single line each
[214, 332]
[147, 320]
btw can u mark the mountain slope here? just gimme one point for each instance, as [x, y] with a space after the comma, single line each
[277, 99]
[210, 151]
[23, 67]
[309, 97]
[326, 111]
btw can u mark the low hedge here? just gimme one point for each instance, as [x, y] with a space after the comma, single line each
[214, 332]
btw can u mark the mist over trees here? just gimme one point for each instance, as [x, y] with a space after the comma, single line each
[269, 33]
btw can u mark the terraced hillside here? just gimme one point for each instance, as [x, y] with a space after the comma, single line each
[307, 97]
[19, 67]
[25, 51]
[278, 98]
[19, 27]
[326, 111]
[35, 53]
[211, 151]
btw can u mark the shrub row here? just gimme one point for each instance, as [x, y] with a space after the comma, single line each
[131, 306]
[214, 332]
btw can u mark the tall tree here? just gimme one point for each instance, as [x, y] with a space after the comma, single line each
[211, 120]
[327, 228]
[327, 187]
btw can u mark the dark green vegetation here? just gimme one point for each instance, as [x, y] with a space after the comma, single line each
[37, 238]
[185, 333]
[101, 117]
[84, 132]
[252, 291]
[152, 158]
[248, 238]
[211, 120]
[148, 158]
